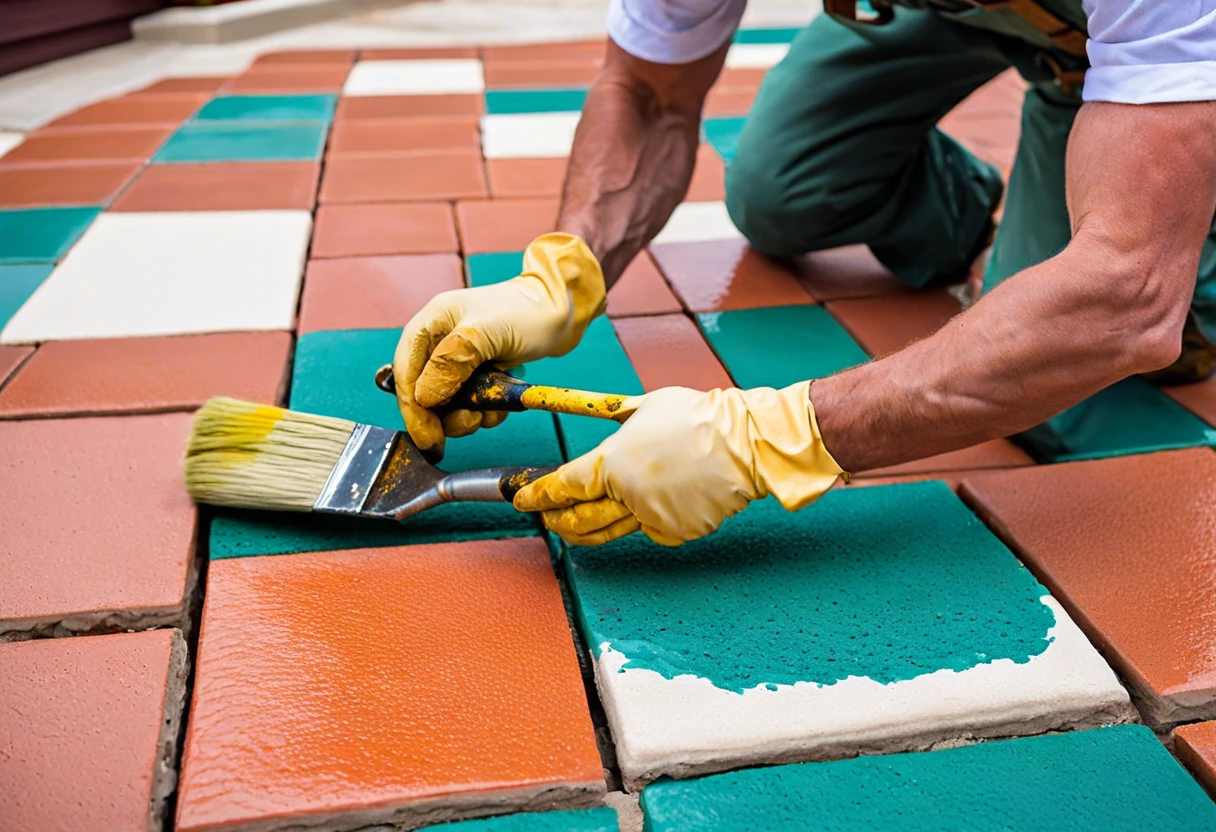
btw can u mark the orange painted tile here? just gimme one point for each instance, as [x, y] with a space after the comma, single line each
[669, 351]
[422, 175]
[847, 272]
[393, 683]
[10, 359]
[131, 375]
[391, 136]
[574, 72]
[708, 177]
[526, 177]
[289, 79]
[76, 146]
[503, 224]
[1126, 545]
[169, 110]
[729, 101]
[176, 86]
[572, 50]
[886, 323]
[307, 57]
[726, 274]
[86, 721]
[374, 107]
[374, 292]
[1196, 748]
[384, 228]
[641, 290]
[99, 532]
[44, 185]
[223, 186]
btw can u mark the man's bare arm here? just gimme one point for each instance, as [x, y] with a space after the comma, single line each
[1141, 185]
[633, 153]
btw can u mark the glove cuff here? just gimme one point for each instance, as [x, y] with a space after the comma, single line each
[573, 282]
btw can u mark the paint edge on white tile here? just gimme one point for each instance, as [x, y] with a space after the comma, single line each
[698, 222]
[528, 135]
[435, 76]
[755, 55]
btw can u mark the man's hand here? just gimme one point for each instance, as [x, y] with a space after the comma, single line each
[543, 312]
[684, 462]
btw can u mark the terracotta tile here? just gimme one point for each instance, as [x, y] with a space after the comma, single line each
[421, 175]
[573, 72]
[223, 186]
[503, 224]
[176, 86]
[668, 351]
[848, 272]
[130, 375]
[708, 183]
[1199, 398]
[72, 146]
[384, 691]
[384, 228]
[641, 290]
[308, 57]
[887, 323]
[572, 50]
[526, 177]
[373, 292]
[729, 101]
[122, 556]
[10, 359]
[726, 274]
[136, 109]
[1125, 544]
[1196, 748]
[743, 77]
[374, 107]
[1003, 95]
[108, 705]
[392, 136]
[87, 184]
[999, 453]
[291, 79]
[419, 53]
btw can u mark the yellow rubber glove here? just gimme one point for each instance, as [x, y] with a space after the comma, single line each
[542, 312]
[684, 462]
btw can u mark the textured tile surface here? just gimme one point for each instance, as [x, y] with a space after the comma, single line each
[1119, 779]
[726, 274]
[1126, 544]
[753, 645]
[17, 283]
[641, 290]
[419, 77]
[122, 555]
[528, 135]
[503, 224]
[223, 186]
[86, 184]
[669, 351]
[393, 136]
[697, 222]
[383, 228]
[418, 175]
[888, 323]
[10, 359]
[237, 141]
[1196, 748]
[125, 375]
[171, 273]
[373, 292]
[526, 177]
[374, 687]
[269, 108]
[602, 819]
[105, 705]
[101, 145]
[41, 235]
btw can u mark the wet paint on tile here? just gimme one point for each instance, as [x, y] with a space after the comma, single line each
[641, 290]
[877, 620]
[669, 351]
[373, 292]
[374, 107]
[507, 225]
[69, 146]
[780, 345]
[1118, 779]
[425, 175]
[723, 134]
[10, 359]
[1125, 544]
[505, 102]
[41, 235]
[384, 228]
[846, 272]
[526, 177]
[602, 819]
[388, 137]
[94, 183]
[216, 141]
[697, 222]
[223, 186]
[122, 732]
[17, 283]
[269, 108]
[450, 76]
[779, 35]
[717, 275]
[1196, 748]
[528, 135]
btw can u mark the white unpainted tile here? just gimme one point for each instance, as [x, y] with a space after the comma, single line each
[171, 273]
[698, 222]
[9, 140]
[422, 77]
[755, 55]
[528, 135]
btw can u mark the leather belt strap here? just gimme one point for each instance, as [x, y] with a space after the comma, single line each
[1064, 36]
[847, 9]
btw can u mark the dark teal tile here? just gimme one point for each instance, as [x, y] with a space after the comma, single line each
[503, 102]
[484, 269]
[1118, 779]
[244, 142]
[17, 283]
[779, 345]
[269, 108]
[723, 134]
[766, 35]
[589, 820]
[41, 235]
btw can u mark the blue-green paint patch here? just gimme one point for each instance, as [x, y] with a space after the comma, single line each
[766, 35]
[886, 582]
[269, 108]
[236, 141]
[507, 102]
[590, 820]
[1118, 779]
[42, 235]
[1130, 417]
[17, 283]
[484, 269]
[723, 134]
[779, 345]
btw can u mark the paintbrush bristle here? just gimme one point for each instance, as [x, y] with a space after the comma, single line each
[257, 456]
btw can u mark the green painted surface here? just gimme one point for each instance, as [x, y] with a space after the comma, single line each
[504, 102]
[589, 820]
[269, 108]
[886, 582]
[42, 235]
[1116, 779]
[17, 283]
[484, 269]
[723, 134]
[236, 141]
[332, 376]
[766, 35]
[779, 345]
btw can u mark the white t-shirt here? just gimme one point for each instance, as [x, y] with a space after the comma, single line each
[1141, 51]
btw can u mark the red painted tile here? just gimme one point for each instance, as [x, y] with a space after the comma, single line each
[120, 375]
[374, 107]
[1126, 545]
[86, 722]
[86, 184]
[10, 359]
[526, 177]
[176, 86]
[295, 79]
[575, 72]
[421, 175]
[384, 228]
[641, 290]
[1199, 398]
[419, 53]
[848, 272]
[380, 684]
[886, 323]
[729, 101]
[308, 57]
[374, 292]
[708, 183]
[74, 146]
[223, 186]
[392, 136]
[100, 531]
[668, 351]
[503, 224]
[1196, 748]
[726, 274]
[572, 50]
[169, 110]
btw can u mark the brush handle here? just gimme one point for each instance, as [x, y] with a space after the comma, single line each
[488, 485]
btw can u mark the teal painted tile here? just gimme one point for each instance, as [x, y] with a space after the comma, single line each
[766, 35]
[41, 235]
[244, 142]
[589, 820]
[506, 102]
[1130, 417]
[17, 283]
[723, 134]
[1116, 779]
[779, 345]
[269, 108]
[484, 269]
